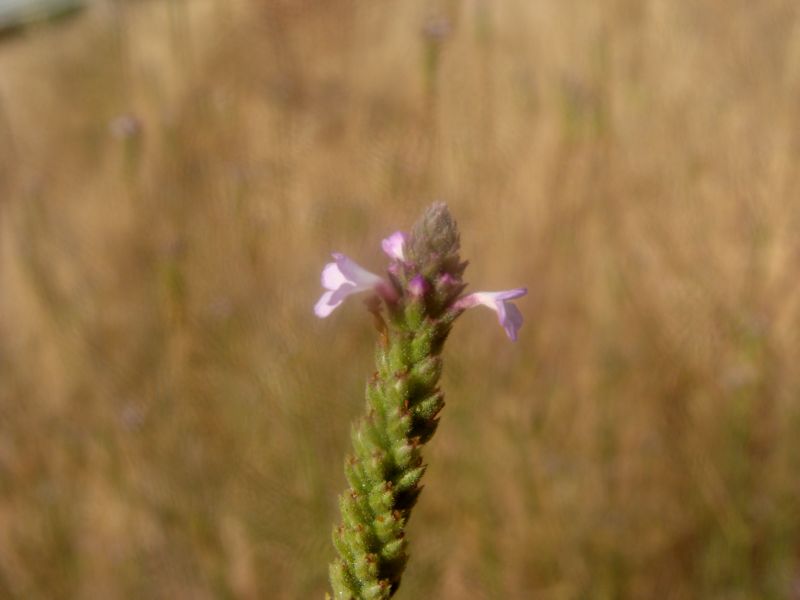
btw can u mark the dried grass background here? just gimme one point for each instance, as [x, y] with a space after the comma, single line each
[173, 419]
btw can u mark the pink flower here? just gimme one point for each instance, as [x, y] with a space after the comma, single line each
[507, 313]
[345, 277]
[394, 245]
[342, 278]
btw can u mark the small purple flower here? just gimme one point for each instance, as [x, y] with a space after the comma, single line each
[342, 278]
[394, 245]
[507, 313]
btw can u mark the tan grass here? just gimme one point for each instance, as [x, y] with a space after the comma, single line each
[173, 419]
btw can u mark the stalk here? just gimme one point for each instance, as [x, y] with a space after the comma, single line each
[402, 414]
[414, 309]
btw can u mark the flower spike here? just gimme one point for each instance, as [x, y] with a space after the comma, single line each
[415, 307]
[343, 278]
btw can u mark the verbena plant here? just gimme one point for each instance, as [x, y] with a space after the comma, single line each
[414, 306]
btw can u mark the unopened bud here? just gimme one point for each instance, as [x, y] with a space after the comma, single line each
[417, 287]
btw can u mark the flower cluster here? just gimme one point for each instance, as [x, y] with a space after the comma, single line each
[344, 277]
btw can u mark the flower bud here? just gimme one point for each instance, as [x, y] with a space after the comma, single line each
[417, 287]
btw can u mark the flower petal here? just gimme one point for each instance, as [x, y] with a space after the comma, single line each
[332, 277]
[394, 245]
[355, 273]
[345, 290]
[488, 299]
[491, 298]
[324, 306]
[513, 321]
[511, 294]
[500, 308]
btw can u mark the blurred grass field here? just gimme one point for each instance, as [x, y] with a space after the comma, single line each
[173, 175]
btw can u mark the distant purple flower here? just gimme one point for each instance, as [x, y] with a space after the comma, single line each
[437, 29]
[342, 278]
[394, 245]
[507, 313]
[125, 126]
